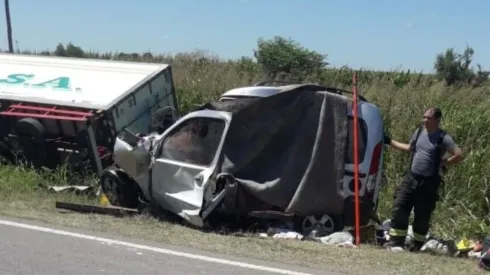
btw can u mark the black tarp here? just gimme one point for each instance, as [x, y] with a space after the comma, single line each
[287, 151]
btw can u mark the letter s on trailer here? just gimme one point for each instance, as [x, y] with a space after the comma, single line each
[57, 107]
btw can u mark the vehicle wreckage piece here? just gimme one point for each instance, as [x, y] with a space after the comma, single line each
[184, 188]
[286, 153]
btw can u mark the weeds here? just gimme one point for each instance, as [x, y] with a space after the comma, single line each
[402, 97]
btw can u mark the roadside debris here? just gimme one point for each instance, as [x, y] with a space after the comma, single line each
[339, 239]
[453, 248]
[440, 247]
[282, 233]
[93, 209]
[79, 189]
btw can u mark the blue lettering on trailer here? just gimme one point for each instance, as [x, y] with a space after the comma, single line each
[61, 83]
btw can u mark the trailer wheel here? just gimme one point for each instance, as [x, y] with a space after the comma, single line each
[31, 141]
[119, 191]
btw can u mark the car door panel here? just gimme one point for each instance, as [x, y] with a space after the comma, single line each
[188, 161]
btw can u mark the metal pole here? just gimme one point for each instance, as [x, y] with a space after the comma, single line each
[357, 213]
[9, 26]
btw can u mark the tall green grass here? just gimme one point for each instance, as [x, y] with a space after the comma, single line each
[402, 97]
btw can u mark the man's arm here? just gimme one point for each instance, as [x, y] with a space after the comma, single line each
[404, 147]
[453, 149]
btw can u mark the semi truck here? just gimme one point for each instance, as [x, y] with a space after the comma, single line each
[61, 110]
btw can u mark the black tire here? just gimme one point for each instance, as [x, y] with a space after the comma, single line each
[334, 224]
[32, 134]
[119, 189]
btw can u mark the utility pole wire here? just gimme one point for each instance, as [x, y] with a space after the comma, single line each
[9, 26]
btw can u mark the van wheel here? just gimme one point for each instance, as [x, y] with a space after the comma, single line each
[119, 192]
[31, 142]
[326, 224]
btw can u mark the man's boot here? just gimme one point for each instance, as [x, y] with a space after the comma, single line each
[415, 246]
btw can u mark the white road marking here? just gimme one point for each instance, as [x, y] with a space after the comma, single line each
[151, 248]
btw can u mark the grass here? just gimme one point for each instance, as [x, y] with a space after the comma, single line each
[19, 198]
[199, 77]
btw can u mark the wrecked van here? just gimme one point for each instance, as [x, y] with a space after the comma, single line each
[283, 156]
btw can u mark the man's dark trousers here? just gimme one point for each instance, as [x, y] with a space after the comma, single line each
[421, 194]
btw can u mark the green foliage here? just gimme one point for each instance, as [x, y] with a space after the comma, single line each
[70, 51]
[285, 58]
[454, 68]
[402, 97]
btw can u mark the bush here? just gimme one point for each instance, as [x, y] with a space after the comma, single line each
[402, 97]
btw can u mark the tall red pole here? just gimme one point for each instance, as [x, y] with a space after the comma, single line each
[356, 160]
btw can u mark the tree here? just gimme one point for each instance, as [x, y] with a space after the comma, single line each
[454, 68]
[9, 27]
[74, 51]
[285, 58]
[60, 50]
[69, 51]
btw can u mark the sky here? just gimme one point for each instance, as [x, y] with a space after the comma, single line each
[375, 34]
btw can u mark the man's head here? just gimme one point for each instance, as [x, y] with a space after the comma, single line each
[432, 118]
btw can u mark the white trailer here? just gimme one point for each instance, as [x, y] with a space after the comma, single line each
[53, 105]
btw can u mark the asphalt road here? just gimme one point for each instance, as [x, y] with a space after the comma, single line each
[28, 247]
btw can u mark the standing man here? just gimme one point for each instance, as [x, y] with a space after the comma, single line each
[419, 188]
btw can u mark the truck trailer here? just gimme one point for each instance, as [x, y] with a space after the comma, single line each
[60, 110]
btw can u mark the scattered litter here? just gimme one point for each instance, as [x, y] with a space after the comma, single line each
[281, 233]
[455, 248]
[441, 247]
[288, 235]
[396, 249]
[339, 239]
[474, 255]
[465, 245]
[263, 235]
[77, 188]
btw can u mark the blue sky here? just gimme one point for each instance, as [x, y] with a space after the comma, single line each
[377, 34]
